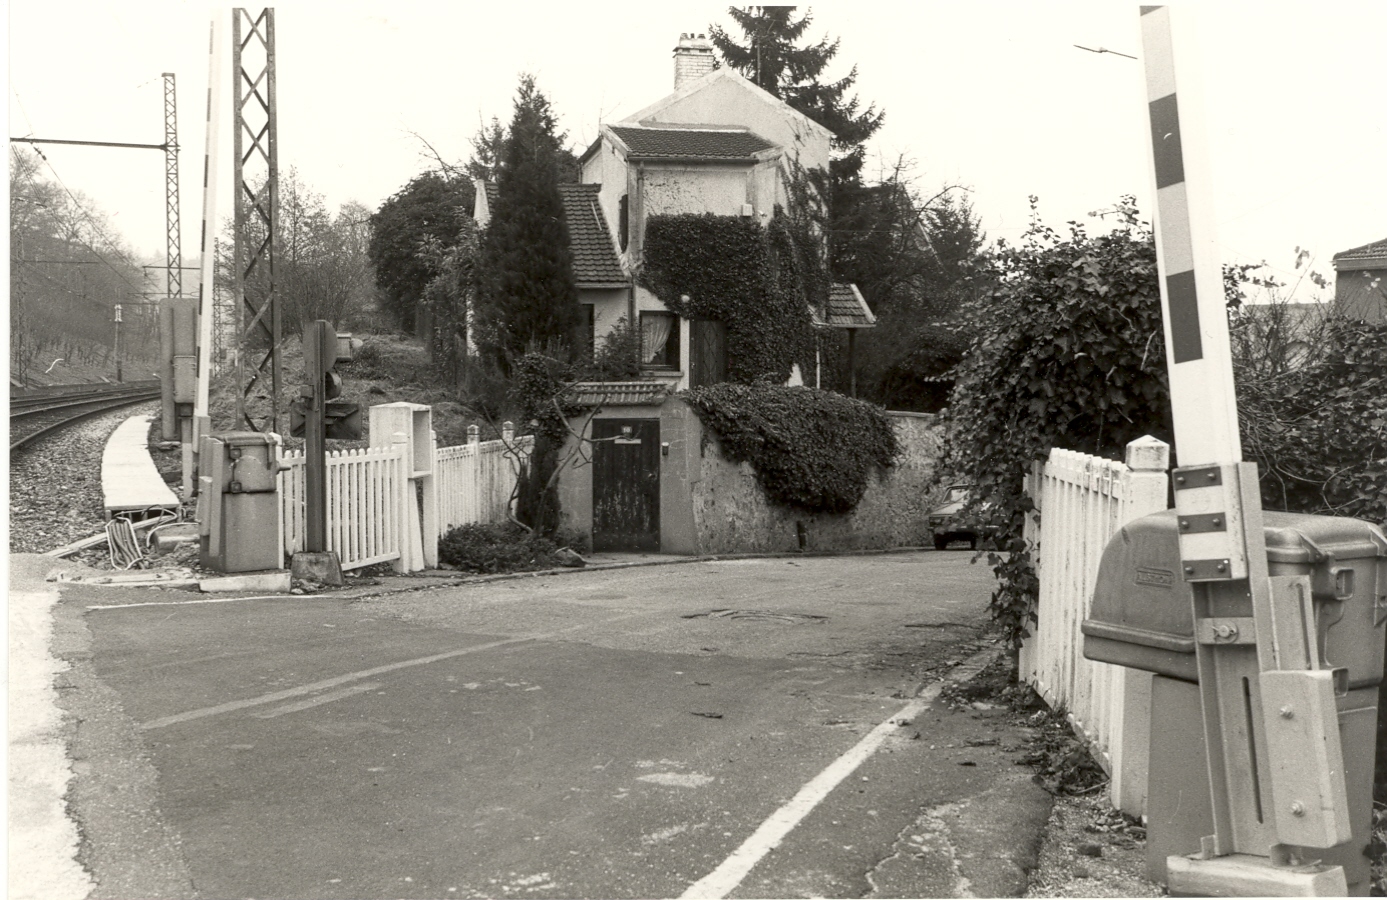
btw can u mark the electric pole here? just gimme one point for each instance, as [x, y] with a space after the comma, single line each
[257, 209]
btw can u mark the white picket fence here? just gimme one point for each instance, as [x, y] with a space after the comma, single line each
[372, 501]
[1082, 501]
[475, 480]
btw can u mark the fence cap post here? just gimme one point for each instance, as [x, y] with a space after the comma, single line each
[1148, 454]
[507, 431]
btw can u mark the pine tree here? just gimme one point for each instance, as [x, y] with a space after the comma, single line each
[528, 296]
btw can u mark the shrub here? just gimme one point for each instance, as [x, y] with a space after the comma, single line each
[811, 450]
[1069, 353]
[495, 548]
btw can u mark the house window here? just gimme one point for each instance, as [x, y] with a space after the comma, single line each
[660, 340]
[623, 220]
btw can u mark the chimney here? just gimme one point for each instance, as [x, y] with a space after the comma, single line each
[693, 58]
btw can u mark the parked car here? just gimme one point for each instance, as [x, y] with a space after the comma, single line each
[946, 523]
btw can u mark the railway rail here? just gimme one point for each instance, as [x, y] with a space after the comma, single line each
[39, 413]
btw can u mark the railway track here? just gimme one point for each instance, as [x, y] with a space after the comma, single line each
[40, 413]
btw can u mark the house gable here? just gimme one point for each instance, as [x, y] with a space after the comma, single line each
[724, 98]
[1360, 281]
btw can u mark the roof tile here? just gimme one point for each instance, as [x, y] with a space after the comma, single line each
[691, 143]
[594, 255]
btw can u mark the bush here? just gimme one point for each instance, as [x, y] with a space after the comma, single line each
[811, 450]
[1069, 353]
[495, 548]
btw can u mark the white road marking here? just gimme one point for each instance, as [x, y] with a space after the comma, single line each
[318, 700]
[317, 686]
[725, 878]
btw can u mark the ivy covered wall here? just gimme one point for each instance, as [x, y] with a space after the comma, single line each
[760, 282]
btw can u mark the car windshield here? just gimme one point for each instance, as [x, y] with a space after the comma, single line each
[957, 493]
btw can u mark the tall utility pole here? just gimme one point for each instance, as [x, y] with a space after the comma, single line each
[175, 242]
[257, 209]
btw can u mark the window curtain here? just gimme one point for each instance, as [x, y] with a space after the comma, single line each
[654, 333]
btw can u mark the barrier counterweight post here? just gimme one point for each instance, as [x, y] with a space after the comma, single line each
[1276, 790]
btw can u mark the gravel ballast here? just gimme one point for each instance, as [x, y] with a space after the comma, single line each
[55, 486]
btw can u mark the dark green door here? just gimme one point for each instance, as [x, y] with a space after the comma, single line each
[626, 484]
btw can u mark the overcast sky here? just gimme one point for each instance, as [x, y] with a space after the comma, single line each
[991, 96]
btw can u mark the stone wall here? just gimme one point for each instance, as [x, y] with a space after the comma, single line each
[732, 515]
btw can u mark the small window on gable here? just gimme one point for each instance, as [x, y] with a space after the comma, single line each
[623, 220]
[660, 340]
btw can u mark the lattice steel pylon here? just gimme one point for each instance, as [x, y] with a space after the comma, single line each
[257, 210]
[174, 282]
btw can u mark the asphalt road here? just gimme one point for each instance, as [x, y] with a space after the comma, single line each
[617, 733]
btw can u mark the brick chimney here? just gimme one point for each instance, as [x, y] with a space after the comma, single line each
[693, 58]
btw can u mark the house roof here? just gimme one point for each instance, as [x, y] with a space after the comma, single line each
[713, 144]
[616, 393]
[846, 309]
[1368, 256]
[595, 262]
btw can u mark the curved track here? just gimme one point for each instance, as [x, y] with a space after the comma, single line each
[41, 413]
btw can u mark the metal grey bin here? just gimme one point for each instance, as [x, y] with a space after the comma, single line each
[1142, 617]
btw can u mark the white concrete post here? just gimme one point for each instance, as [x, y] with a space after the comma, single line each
[474, 434]
[508, 432]
[1148, 483]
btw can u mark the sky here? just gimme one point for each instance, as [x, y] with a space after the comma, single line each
[991, 97]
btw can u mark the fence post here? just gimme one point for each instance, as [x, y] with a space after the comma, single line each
[411, 550]
[1148, 482]
[429, 490]
[474, 434]
[508, 433]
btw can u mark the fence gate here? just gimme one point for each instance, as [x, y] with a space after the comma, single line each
[626, 484]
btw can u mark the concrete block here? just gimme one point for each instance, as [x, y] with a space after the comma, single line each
[323, 568]
[276, 582]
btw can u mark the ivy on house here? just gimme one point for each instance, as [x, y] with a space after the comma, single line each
[811, 450]
[759, 282]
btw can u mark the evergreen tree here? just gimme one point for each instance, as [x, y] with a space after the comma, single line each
[770, 58]
[528, 298]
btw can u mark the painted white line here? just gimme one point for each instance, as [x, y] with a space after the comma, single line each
[317, 686]
[725, 878]
[318, 700]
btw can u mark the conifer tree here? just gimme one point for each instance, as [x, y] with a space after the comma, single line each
[772, 60]
[528, 298]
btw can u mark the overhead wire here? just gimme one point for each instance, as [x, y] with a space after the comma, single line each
[95, 226]
[73, 232]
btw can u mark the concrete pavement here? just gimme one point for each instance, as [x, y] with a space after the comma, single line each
[617, 733]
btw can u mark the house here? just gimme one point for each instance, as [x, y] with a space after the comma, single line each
[602, 282]
[717, 145]
[1360, 282]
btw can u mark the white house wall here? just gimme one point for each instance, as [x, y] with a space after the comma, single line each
[720, 190]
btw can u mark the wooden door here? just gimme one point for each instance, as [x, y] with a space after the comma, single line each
[626, 484]
[707, 353]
